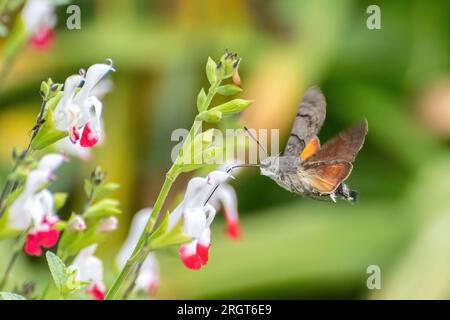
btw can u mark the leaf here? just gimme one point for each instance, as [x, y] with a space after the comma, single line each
[57, 269]
[211, 68]
[103, 208]
[233, 106]
[201, 101]
[48, 134]
[162, 227]
[229, 90]
[105, 189]
[211, 116]
[88, 187]
[59, 199]
[10, 296]
[172, 237]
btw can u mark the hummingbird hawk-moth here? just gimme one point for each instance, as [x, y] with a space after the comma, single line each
[305, 167]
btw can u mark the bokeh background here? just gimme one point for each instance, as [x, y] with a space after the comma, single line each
[292, 247]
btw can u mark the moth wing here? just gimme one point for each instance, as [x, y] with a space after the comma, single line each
[308, 121]
[311, 148]
[325, 177]
[345, 146]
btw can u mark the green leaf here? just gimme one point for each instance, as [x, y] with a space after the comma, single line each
[166, 238]
[59, 199]
[105, 189]
[229, 90]
[201, 101]
[103, 208]
[45, 89]
[211, 68]
[211, 116]
[57, 269]
[88, 187]
[191, 156]
[48, 134]
[10, 296]
[161, 228]
[233, 106]
[17, 37]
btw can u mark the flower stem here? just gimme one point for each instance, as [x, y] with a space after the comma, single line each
[11, 184]
[142, 248]
[137, 256]
[15, 255]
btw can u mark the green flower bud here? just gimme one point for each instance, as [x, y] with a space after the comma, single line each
[233, 106]
[210, 116]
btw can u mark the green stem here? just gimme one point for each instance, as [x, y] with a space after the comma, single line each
[12, 261]
[137, 256]
[142, 248]
[11, 184]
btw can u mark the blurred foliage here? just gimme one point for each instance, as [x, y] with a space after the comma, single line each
[292, 247]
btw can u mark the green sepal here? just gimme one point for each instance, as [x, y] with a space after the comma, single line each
[229, 89]
[103, 208]
[48, 134]
[163, 237]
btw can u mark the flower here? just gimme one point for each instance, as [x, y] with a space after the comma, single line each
[76, 150]
[43, 234]
[34, 207]
[90, 269]
[39, 19]
[225, 197]
[108, 224]
[77, 223]
[148, 277]
[197, 217]
[81, 110]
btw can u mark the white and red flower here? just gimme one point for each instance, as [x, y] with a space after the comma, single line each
[89, 268]
[148, 277]
[225, 198]
[79, 112]
[197, 217]
[39, 19]
[33, 208]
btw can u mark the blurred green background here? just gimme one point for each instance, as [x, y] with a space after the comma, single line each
[292, 247]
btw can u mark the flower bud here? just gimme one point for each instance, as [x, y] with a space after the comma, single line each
[210, 116]
[77, 224]
[108, 224]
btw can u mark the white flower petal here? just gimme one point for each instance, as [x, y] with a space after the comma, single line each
[94, 74]
[51, 161]
[90, 267]
[137, 226]
[37, 13]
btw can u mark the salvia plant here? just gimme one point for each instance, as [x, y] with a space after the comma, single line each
[69, 123]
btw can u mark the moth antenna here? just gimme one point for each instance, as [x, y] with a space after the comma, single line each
[256, 140]
[228, 171]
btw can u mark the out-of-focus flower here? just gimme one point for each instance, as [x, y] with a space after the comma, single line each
[434, 108]
[225, 197]
[90, 269]
[108, 224]
[76, 150]
[148, 277]
[81, 110]
[34, 207]
[77, 223]
[39, 19]
[197, 217]
[43, 234]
